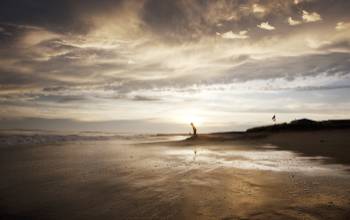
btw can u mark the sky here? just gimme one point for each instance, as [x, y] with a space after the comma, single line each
[156, 65]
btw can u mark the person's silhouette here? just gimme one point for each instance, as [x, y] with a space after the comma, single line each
[194, 129]
[274, 118]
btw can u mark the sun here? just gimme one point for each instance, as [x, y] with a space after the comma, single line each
[197, 120]
[186, 116]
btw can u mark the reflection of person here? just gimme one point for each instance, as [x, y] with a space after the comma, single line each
[195, 154]
[194, 129]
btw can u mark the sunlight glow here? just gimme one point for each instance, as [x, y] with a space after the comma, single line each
[188, 118]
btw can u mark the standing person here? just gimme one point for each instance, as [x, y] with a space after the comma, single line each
[274, 118]
[194, 129]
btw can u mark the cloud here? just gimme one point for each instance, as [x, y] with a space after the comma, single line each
[37, 36]
[331, 64]
[342, 26]
[311, 17]
[337, 46]
[145, 98]
[231, 35]
[258, 8]
[293, 22]
[266, 26]
[107, 59]
[48, 15]
[15, 79]
[62, 99]
[296, 2]
[315, 44]
[327, 87]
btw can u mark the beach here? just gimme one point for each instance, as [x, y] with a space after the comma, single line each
[169, 177]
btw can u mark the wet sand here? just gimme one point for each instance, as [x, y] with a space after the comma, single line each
[125, 179]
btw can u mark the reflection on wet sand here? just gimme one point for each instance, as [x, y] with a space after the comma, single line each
[273, 160]
[124, 180]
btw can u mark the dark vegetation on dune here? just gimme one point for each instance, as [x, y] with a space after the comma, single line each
[304, 125]
[312, 138]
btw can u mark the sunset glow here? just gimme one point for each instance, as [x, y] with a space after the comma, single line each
[159, 65]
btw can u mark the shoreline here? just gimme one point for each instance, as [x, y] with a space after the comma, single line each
[332, 143]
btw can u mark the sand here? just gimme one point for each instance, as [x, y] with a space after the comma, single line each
[202, 179]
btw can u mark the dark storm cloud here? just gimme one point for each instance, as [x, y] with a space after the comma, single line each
[61, 98]
[145, 98]
[185, 20]
[171, 19]
[60, 16]
[54, 89]
[12, 78]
